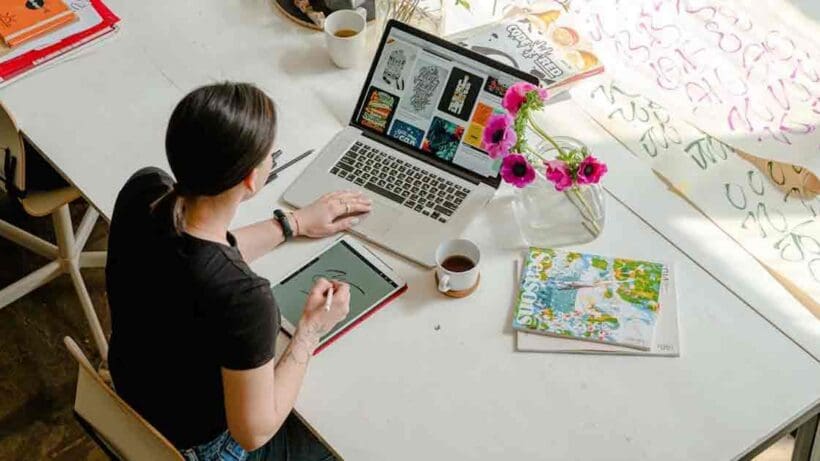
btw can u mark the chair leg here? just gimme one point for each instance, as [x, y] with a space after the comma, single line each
[64, 231]
[88, 259]
[30, 283]
[93, 259]
[806, 444]
[85, 228]
[32, 242]
[88, 310]
[66, 245]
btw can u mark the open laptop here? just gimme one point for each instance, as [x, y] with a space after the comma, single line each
[414, 143]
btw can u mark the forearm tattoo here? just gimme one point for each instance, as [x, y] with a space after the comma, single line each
[303, 343]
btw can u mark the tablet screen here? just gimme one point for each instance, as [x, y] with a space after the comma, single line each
[368, 285]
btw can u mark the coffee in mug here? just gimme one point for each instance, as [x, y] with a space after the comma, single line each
[458, 263]
[457, 267]
[345, 33]
[345, 38]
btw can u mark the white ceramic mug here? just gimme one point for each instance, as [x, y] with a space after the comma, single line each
[449, 280]
[346, 52]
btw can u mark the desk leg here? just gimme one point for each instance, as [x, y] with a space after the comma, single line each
[807, 443]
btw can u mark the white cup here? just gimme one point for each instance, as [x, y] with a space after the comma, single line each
[346, 52]
[457, 280]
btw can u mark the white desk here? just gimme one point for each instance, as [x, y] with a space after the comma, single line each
[679, 222]
[397, 387]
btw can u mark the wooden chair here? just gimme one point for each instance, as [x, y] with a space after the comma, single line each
[112, 423]
[67, 256]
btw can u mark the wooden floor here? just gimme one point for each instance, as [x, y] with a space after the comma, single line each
[37, 376]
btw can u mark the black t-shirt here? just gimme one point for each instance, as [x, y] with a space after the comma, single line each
[181, 309]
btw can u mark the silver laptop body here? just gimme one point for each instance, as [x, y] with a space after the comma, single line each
[414, 143]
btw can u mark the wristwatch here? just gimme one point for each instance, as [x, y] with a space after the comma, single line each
[283, 221]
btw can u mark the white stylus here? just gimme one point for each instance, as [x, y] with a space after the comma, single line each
[329, 299]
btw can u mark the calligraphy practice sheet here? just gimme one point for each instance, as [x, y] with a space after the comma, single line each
[763, 208]
[744, 71]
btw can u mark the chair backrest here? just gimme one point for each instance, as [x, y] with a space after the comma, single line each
[12, 154]
[125, 432]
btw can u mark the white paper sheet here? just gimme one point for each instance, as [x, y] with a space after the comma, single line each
[744, 71]
[779, 226]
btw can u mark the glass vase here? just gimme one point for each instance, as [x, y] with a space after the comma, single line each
[549, 218]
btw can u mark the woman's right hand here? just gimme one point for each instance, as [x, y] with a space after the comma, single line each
[316, 321]
[331, 213]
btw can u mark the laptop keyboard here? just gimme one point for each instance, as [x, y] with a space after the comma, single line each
[413, 187]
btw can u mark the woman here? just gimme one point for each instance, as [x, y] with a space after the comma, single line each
[193, 328]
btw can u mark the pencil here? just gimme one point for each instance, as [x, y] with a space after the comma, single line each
[329, 299]
[275, 173]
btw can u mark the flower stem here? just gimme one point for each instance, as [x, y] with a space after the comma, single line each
[534, 152]
[545, 136]
[589, 217]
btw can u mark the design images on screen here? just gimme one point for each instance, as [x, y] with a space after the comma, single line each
[460, 93]
[394, 68]
[378, 112]
[443, 138]
[425, 84]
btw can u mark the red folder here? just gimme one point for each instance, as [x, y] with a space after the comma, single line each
[361, 319]
[20, 64]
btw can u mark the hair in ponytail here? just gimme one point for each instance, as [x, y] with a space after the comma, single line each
[171, 208]
[216, 136]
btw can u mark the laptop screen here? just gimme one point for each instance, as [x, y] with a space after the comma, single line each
[435, 98]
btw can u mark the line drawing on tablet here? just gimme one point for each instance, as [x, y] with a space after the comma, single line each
[339, 276]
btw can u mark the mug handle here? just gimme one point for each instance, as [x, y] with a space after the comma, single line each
[362, 12]
[443, 283]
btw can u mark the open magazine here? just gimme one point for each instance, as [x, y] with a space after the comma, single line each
[591, 298]
[543, 42]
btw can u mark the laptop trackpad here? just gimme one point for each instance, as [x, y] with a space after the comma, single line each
[378, 221]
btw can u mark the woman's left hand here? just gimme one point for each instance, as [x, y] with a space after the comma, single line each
[331, 213]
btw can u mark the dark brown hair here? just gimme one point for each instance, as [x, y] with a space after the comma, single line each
[216, 136]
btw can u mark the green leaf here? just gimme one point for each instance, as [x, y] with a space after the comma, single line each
[463, 3]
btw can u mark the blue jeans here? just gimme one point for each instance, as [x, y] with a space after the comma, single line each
[293, 442]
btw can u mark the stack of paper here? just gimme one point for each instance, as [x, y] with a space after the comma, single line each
[582, 303]
[93, 21]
